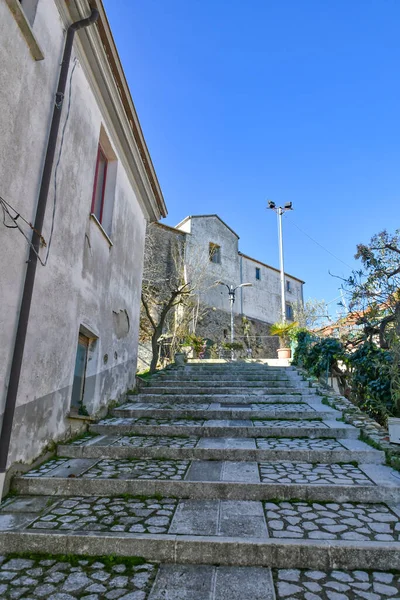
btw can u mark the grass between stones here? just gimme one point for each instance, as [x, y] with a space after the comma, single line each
[74, 559]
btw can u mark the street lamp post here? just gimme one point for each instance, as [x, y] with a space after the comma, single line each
[280, 210]
[232, 293]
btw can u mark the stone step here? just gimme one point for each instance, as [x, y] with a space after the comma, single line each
[226, 550]
[208, 582]
[225, 377]
[246, 398]
[364, 483]
[236, 428]
[220, 394]
[271, 411]
[103, 578]
[187, 383]
[305, 450]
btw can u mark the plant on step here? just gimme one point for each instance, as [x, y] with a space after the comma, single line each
[232, 346]
[283, 331]
[196, 342]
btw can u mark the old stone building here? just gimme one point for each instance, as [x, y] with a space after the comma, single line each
[82, 335]
[255, 307]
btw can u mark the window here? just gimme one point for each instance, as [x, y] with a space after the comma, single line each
[225, 333]
[99, 187]
[214, 253]
[29, 7]
[258, 274]
[105, 178]
[289, 312]
[288, 286]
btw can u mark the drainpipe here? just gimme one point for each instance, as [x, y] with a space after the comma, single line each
[19, 344]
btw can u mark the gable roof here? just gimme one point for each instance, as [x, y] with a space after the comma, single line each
[205, 217]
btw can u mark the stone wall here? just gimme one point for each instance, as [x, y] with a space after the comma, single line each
[215, 325]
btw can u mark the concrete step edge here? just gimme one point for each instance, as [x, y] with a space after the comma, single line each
[161, 413]
[205, 490]
[240, 431]
[323, 554]
[230, 454]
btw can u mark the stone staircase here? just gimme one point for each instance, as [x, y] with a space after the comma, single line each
[232, 481]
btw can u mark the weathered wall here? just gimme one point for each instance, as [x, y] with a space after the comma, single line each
[87, 281]
[215, 325]
[262, 301]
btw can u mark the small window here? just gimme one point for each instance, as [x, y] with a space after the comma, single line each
[99, 187]
[288, 286]
[289, 312]
[104, 185]
[214, 253]
[258, 274]
[29, 7]
[225, 333]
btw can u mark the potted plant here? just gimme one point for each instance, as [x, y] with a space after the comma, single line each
[283, 330]
[195, 344]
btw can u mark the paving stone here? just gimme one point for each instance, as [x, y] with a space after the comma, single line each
[88, 580]
[335, 584]
[102, 514]
[310, 521]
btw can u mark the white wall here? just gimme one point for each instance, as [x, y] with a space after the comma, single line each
[87, 281]
[262, 301]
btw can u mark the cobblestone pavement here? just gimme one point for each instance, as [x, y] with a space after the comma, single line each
[46, 467]
[139, 441]
[295, 584]
[138, 469]
[317, 474]
[132, 515]
[281, 406]
[168, 404]
[63, 579]
[332, 521]
[312, 424]
[297, 444]
[149, 421]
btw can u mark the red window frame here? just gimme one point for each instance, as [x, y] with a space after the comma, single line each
[100, 152]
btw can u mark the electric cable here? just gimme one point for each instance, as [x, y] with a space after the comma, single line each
[58, 162]
[318, 244]
[7, 207]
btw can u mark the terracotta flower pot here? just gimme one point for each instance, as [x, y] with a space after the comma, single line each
[284, 353]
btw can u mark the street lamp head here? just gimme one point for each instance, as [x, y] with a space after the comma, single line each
[288, 206]
[245, 285]
[271, 204]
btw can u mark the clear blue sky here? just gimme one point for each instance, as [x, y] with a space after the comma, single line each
[288, 100]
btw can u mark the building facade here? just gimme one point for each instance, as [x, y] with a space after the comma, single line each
[261, 301]
[81, 345]
[256, 307]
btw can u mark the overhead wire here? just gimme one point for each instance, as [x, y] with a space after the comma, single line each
[10, 212]
[58, 161]
[6, 207]
[318, 244]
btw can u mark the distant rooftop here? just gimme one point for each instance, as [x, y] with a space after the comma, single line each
[205, 216]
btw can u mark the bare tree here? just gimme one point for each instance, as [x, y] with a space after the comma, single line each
[167, 285]
[312, 314]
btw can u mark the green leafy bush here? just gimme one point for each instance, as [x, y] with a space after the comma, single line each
[364, 374]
